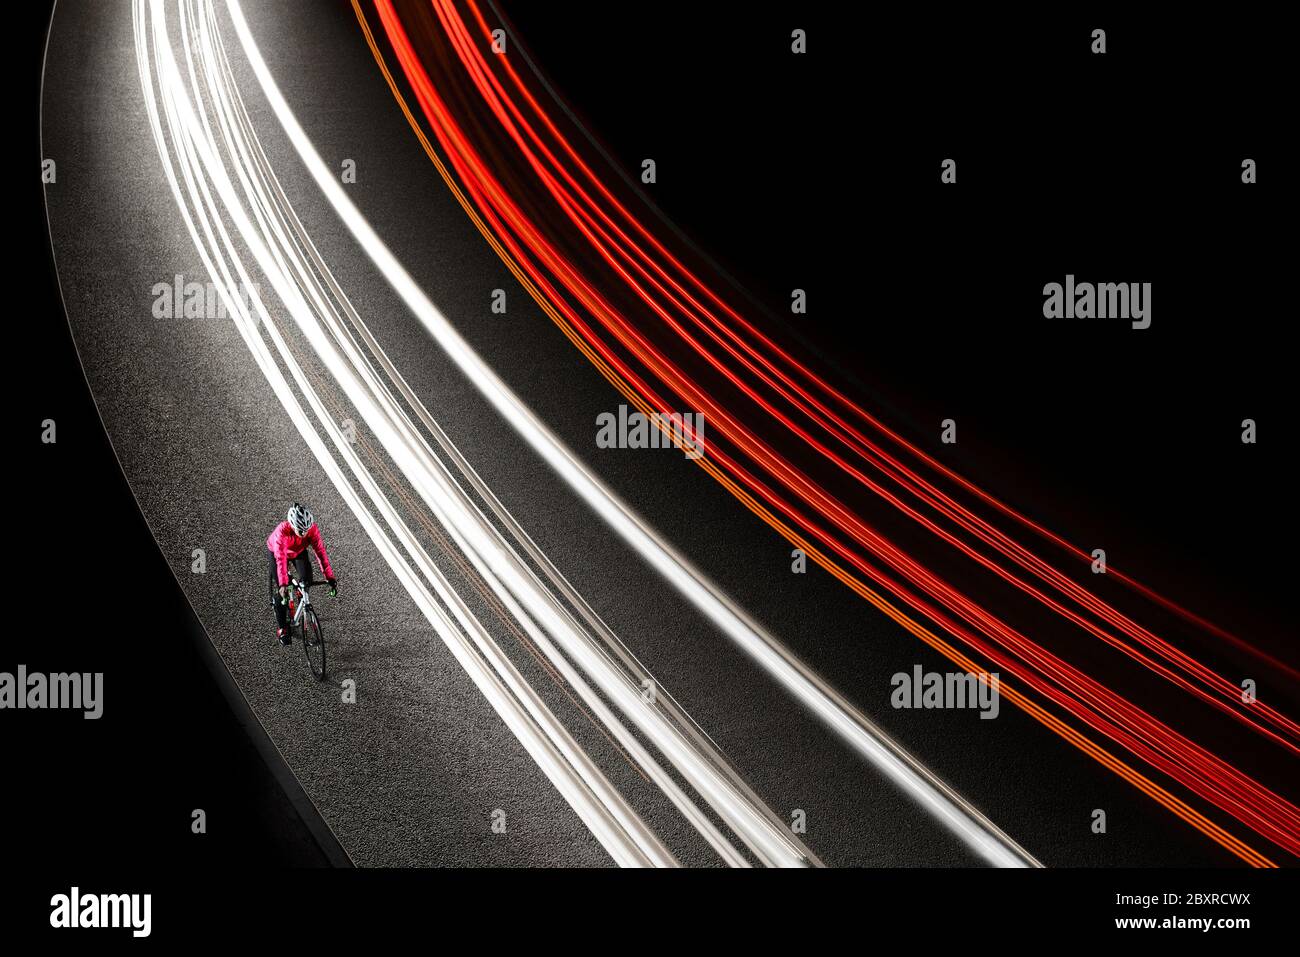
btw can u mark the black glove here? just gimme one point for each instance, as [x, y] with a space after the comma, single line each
[334, 587]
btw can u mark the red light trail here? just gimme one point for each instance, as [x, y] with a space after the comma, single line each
[787, 399]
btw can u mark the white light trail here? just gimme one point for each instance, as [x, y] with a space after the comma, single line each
[613, 822]
[975, 830]
[498, 565]
[278, 256]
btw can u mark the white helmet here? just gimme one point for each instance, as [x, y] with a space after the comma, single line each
[300, 518]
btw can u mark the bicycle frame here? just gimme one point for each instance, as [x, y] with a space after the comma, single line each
[314, 643]
[302, 603]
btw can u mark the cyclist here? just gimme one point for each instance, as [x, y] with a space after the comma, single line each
[288, 544]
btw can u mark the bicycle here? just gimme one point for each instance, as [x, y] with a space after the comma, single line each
[306, 625]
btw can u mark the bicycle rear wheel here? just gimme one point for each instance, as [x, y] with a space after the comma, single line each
[313, 644]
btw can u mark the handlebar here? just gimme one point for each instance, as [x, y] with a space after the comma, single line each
[301, 586]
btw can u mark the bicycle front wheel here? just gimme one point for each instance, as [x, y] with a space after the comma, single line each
[313, 644]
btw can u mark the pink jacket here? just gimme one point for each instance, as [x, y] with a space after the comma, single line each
[285, 544]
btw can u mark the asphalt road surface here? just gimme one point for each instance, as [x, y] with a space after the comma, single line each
[411, 773]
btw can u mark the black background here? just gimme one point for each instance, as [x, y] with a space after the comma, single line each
[819, 172]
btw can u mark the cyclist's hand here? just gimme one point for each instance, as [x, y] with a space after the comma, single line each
[284, 593]
[334, 587]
